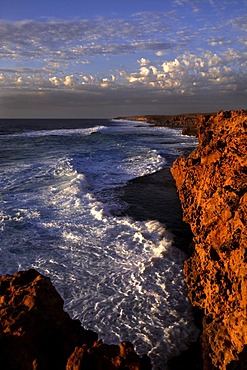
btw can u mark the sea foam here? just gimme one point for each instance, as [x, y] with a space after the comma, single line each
[122, 278]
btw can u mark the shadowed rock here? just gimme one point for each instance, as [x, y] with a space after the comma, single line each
[36, 334]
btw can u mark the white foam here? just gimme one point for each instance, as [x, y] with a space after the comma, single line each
[110, 271]
[58, 132]
[120, 277]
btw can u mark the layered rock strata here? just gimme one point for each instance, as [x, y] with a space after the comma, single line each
[36, 334]
[211, 183]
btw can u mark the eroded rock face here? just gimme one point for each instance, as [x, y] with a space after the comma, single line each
[36, 334]
[212, 187]
[189, 122]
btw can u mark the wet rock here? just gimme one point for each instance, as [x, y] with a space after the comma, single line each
[212, 187]
[35, 332]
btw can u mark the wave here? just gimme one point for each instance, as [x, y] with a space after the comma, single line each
[122, 278]
[59, 132]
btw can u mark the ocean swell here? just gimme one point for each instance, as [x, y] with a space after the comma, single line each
[122, 278]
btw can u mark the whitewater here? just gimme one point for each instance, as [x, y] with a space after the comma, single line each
[58, 200]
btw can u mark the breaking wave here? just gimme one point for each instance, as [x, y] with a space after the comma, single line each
[122, 278]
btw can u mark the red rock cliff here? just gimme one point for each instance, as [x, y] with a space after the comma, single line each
[212, 187]
[36, 334]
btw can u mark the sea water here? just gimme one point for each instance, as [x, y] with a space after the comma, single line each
[122, 278]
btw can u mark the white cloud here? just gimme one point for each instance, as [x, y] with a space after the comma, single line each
[187, 72]
[108, 81]
[143, 61]
[231, 55]
[134, 77]
[70, 80]
[214, 60]
[144, 71]
[214, 72]
[104, 84]
[154, 70]
[169, 67]
[86, 54]
[55, 81]
[159, 53]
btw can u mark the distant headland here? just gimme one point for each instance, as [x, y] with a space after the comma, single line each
[189, 122]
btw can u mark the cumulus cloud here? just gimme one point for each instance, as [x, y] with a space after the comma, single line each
[169, 67]
[56, 81]
[107, 81]
[143, 61]
[144, 71]
[190, 74]
[70, 80]
[153, 52]
[159, 53]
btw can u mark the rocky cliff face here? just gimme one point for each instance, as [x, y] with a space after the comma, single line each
[188, 122]
[36, 334]
[211, 183]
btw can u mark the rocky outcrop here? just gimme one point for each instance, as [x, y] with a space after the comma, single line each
[36, 334]
[211, 183]
[189, 122]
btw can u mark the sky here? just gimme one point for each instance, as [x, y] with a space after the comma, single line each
[102, 59]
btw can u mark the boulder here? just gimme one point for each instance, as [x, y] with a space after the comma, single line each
[36, 333]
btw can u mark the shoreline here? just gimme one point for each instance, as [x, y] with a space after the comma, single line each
[154, 197]
[188, 122]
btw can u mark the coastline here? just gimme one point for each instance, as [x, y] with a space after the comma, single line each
[220, 144]
[205, 180]
[154, 197]
[149, 200]
[211, 183]
[189, 122]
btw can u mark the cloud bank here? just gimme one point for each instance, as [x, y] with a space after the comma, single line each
[152, 57]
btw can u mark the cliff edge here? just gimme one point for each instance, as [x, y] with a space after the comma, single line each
[212, 183]
[189, 122]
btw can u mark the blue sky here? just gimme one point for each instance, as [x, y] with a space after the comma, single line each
[90, 59]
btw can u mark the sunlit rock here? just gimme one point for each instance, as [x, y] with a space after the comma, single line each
[35, 332]
[212, 187]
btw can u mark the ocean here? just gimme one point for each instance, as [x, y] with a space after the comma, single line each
[60, 213]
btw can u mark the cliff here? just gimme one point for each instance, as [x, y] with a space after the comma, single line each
[211, 183]
[189, 122]
[36, 334]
